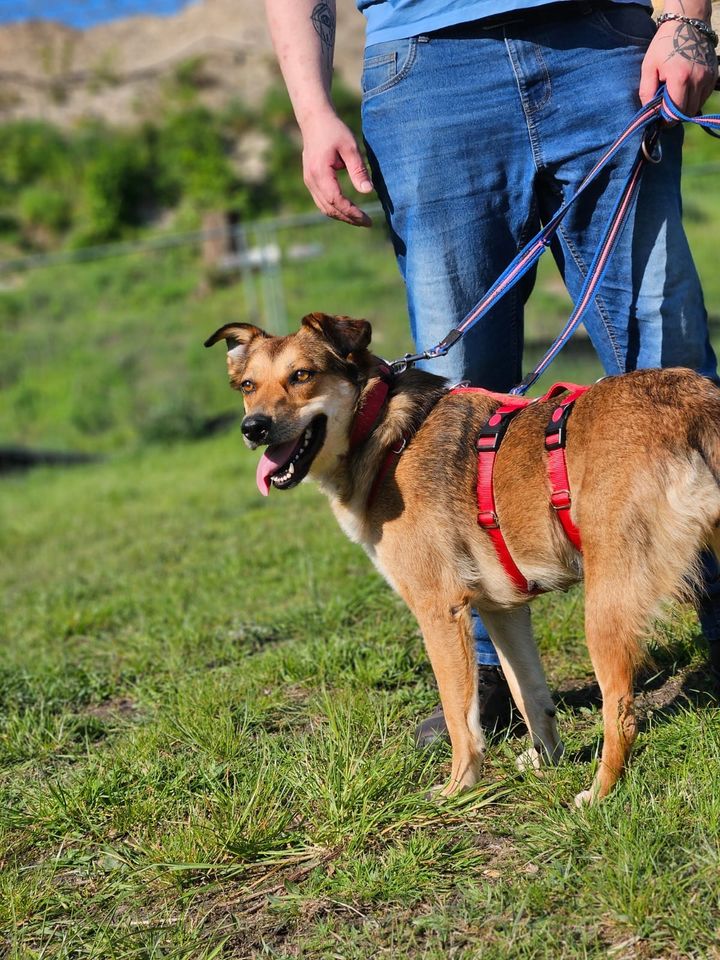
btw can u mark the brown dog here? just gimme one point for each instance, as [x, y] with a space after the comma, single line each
[643, 456]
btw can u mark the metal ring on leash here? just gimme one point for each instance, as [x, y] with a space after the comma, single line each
[651, 148]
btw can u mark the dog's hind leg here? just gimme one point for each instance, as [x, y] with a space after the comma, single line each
[511, 633]
[613, 639]
[451, 649]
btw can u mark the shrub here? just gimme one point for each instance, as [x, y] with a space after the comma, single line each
[118, 176]
[33, 150]
[192, 158]
[44, 206]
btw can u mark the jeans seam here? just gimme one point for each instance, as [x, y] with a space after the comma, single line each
[546, 74]
[400, 75]
[531, 128]
[380, 59]
[599, 302]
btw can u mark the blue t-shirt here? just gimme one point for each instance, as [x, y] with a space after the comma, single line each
[397, 19]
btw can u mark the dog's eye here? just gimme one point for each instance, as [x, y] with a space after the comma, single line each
[247, 386]
[302, 376]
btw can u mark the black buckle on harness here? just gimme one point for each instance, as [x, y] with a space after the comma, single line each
[492, 433]
[556, 430]
[560, 500]
[488, 520]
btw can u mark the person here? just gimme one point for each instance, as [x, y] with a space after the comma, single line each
[479, 118]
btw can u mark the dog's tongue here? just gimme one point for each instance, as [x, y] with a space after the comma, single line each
[273, 458]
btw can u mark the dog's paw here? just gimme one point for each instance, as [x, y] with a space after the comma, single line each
[437, 793]
[445, 791]
[529, 760]
[585, 798]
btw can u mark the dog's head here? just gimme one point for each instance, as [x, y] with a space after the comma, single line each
[299, 392]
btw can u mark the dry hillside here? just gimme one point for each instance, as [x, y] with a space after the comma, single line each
[117, 70]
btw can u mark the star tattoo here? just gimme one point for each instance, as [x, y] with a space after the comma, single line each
[690, 44]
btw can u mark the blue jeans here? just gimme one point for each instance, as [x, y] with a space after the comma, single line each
[475, 137]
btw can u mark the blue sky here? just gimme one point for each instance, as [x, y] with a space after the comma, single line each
[83, 13]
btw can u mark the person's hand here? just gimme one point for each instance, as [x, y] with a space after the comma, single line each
[684, 60]
[329, 146]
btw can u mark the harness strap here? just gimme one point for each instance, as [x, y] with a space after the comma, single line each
[555, 440]
[487, 445]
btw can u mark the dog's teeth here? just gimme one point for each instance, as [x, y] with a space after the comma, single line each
[291, 470]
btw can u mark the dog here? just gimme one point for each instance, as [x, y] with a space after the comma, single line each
[643, 462]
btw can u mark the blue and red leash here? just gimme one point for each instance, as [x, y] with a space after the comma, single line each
[649, 119]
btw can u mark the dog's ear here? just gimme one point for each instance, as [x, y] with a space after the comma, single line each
[344, 334]
[238, 337]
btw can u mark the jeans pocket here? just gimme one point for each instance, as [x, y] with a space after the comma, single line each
[628, 23]
[386, 64]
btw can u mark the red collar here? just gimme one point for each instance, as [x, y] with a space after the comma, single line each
[372, 403]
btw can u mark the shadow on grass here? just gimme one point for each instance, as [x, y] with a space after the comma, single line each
[663, 689]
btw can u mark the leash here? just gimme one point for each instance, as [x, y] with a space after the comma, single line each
[648, 119]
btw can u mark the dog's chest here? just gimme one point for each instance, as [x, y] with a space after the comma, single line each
[352, 524]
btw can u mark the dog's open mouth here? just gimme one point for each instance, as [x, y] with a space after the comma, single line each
[284, 465]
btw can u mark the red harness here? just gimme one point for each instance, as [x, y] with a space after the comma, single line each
[488, 444]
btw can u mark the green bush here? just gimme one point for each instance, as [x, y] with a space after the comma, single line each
[117, 184]
[31, 150]
[192, 157]
[98, 183]
[44, 206]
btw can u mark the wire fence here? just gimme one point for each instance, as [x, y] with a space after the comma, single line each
[257, 252]
[256, 255]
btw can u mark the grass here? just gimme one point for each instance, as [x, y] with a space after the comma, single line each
[205, 745]
[207, 698]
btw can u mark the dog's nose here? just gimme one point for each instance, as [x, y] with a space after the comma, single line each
[256, 427]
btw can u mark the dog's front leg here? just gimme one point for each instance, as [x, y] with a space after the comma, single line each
[511, 633]
[446, 631]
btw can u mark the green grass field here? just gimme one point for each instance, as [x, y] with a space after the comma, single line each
[207, 698]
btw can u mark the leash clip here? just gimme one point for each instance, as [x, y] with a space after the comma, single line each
[410, 359]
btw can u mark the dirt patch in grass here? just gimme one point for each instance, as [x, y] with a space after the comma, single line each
[116, 708]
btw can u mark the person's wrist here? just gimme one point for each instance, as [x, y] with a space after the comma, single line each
[700, 10]
[700, 26]
[315, 114]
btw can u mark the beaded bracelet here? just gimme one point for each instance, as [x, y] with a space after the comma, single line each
[700, 25]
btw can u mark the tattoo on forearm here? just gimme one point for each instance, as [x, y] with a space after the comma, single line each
[323, 20]
[690, 44]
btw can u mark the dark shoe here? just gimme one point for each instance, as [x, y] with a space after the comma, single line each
[432, 729]
[495, 704]
[495, 707]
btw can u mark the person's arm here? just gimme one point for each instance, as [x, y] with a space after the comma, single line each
[682, 57]
[303, 34]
